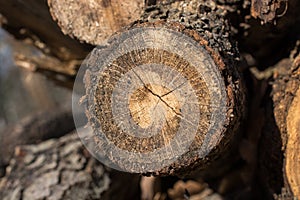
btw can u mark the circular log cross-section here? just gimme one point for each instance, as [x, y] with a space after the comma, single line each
[157, 101]
[94, 21]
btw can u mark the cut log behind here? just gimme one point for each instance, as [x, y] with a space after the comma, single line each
[94, 21]
[165, 97]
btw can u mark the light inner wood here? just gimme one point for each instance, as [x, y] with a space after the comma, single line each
[151, 102]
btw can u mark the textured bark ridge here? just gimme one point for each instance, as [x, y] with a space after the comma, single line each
[164, 97]
[94, 21]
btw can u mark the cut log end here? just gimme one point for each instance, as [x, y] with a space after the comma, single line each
[157, 100]
[94, 21]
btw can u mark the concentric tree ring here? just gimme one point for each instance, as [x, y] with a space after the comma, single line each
[150, 95]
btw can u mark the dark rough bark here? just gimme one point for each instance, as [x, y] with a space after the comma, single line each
[62, 169]
[206, 24]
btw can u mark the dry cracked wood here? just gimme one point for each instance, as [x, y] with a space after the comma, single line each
[164, 96]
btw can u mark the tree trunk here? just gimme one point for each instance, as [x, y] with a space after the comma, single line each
[165, 96]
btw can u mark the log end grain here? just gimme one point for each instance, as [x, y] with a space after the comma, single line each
[159, 100]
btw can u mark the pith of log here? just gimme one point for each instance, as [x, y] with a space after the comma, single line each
[164, 97]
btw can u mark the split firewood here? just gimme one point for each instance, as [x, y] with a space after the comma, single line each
[165, 97]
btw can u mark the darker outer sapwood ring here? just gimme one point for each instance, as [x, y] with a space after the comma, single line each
[214, 118]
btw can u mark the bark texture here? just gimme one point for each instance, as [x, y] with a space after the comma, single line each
[34, 129]
[62, 169]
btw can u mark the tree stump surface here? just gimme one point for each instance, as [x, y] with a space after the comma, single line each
[183, 95]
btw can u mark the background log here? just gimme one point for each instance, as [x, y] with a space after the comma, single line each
[31, 22]
[279, 148]
[34, 129]
[94, 21]
[32, 19]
